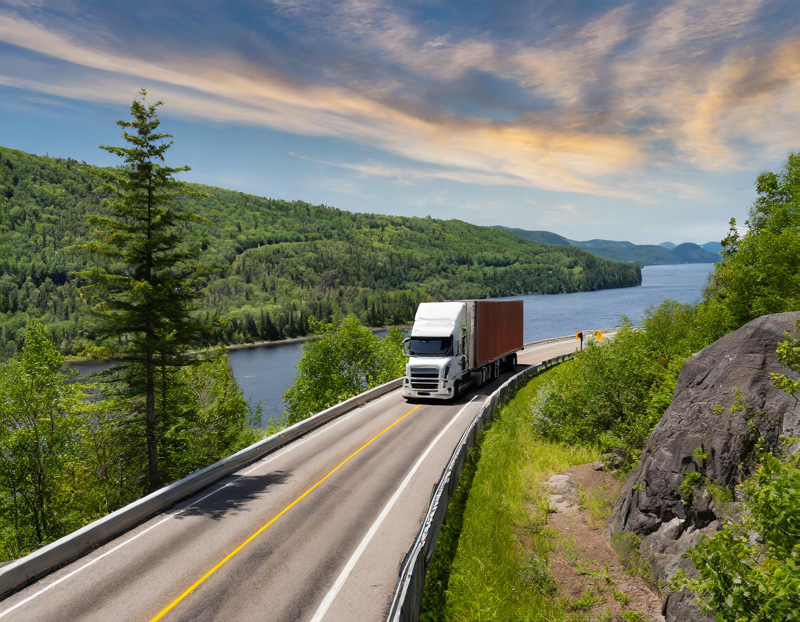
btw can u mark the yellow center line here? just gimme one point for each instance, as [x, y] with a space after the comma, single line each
[219, 565]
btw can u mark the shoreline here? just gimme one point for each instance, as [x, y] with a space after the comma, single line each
[71, 360]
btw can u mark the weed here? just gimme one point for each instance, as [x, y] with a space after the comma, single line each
[627, 548]
[586, 572]
[536, 573]
[599, 504]
[605, 615]
[621, 597]
[607, 576]
[633, 616]
[700, 456]
[586, 601]
[691, 481]
[720, 493]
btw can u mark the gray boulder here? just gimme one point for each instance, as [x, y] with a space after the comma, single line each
[724, 402]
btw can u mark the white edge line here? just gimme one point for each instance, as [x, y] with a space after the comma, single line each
[258, 465]
[342, 578]
[141, 533]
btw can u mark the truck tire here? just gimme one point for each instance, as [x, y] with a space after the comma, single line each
[512, 363]
[456, 389]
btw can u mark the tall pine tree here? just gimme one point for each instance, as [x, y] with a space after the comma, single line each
[145, 294]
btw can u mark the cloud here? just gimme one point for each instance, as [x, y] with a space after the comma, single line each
[641, 72]
[477, 150]
[593, 106]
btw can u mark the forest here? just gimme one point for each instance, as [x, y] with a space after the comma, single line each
[267, 264]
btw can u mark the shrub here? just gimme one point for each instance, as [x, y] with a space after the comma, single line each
[749, 578]
[612, 395]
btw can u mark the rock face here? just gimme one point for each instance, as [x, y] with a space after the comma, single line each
[724, 402]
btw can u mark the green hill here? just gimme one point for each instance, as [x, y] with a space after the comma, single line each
[273, 262]
[712, 247]
[645, 254]
[542, 237]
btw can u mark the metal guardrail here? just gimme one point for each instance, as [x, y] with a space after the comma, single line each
[22, 572]
[588, 333]
[407, 598]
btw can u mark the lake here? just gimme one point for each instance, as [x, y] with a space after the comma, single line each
[265, 372]
[565, 314]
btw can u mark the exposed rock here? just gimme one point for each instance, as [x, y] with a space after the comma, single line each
[564, 496]
[612, 461]
[706, 430]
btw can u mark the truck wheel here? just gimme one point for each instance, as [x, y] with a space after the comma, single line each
[512, 363]
[456, 389]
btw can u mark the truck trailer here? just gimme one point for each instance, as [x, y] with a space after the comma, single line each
[454, 345]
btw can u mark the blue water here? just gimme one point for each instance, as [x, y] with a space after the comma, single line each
[565, 314]
[264, 373]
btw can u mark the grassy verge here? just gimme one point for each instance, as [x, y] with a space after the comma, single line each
[500, 569]
[437, 577]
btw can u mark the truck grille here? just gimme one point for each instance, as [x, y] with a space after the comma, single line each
[425, 378]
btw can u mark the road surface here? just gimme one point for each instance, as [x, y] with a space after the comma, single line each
[315, 531]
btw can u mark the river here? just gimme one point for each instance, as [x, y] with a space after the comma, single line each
[265, 372]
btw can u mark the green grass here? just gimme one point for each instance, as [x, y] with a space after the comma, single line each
[434, 598]
[500, 570]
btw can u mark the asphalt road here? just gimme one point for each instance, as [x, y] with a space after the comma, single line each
[315, 531]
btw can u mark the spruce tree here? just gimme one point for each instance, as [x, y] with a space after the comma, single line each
[145, 285]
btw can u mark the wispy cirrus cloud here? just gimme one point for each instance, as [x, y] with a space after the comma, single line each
[478, 151]
[610, 102]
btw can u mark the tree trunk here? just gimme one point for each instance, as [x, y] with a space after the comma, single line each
[153, 476]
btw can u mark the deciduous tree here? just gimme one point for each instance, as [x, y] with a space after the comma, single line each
[345, 361]
[760, 273]
[39, 423]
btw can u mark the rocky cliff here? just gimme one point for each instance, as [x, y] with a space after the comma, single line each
[724, 402]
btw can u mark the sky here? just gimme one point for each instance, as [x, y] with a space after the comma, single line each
[644, 121]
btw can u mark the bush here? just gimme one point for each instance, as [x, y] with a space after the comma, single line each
[345, 361]
[749, 577]
[613, 395]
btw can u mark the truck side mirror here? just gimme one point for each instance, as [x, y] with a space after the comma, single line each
[405, 345]
[463, 361]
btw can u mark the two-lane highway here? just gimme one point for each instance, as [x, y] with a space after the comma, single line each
[315, 531]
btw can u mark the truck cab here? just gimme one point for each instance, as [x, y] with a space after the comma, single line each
[437, 350]
[456, 344]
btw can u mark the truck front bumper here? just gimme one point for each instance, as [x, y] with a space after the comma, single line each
[442, 390]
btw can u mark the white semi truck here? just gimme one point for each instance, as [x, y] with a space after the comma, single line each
[457, 344]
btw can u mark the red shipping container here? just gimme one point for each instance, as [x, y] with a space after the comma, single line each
[498, 325]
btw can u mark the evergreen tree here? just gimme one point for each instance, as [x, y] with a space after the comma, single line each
[145, 295]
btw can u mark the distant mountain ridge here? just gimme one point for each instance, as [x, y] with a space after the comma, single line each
[647, 254]
[713, 247]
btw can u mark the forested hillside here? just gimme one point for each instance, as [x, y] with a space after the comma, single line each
[645, 254]
[270, 263]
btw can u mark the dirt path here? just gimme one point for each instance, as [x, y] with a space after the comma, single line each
[588, 572]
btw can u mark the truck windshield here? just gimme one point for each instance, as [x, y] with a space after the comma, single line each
[435, 346]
